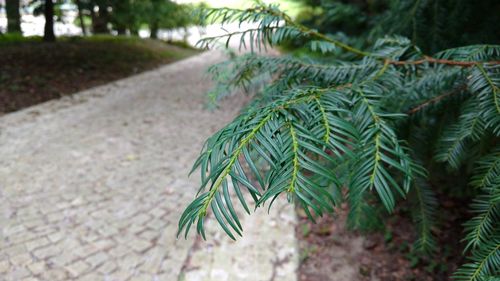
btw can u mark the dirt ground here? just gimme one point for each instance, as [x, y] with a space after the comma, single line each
[325, 248]
[32, 72]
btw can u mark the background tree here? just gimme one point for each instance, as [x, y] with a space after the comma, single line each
[47, 8]
[130, 15]
[168, 15]
[13, 16]
[49, 35]
[79, 6]
[99, 11]
[157, 9]
[122, 15]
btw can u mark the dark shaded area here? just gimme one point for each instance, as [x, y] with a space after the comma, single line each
[34, 71]
[432, 25]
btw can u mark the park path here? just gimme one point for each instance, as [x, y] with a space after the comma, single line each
[92, 186]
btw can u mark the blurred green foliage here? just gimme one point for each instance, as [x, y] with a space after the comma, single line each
[122, 16]
[433, 25]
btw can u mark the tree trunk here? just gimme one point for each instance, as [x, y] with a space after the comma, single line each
[121, 15]
[134, 31]
[49, 35]
[153, 26]
[80, 17]
[13, 16]
[185, 35]
[100, 20]
[121, 29]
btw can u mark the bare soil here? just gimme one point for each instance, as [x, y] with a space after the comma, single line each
[32, 71]
[384, 255]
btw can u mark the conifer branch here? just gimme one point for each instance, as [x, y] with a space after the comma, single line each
[317, 127]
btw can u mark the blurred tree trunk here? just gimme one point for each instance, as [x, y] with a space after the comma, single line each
[100, 19]
[154, 17]
[121, 15]
[186, 34]
[134, 31]
[153, 26]
[121, 29]
[80, 17]
[13, 16]
[48, 35]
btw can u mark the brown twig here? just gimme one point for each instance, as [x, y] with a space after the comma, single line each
[435, 99]
[428, 59]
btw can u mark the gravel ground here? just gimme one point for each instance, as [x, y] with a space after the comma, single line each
[92, 186]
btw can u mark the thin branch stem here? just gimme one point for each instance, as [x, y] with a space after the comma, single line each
[295, 149]
[481, 265]
[428, 59]
[325, 120]
[435, 100]
[492, 85]
[288, 20]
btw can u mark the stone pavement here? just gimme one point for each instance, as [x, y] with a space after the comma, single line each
[92, 186]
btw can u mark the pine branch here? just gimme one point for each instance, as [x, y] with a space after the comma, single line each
[487, 171]
[424, 216]
[484, 262]
[322, 125]
[480, 228]
[427, 59]
[276, 16]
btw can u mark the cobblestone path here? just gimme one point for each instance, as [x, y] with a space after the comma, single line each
[92, 186]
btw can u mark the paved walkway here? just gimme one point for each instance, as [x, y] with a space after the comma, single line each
[92, 186]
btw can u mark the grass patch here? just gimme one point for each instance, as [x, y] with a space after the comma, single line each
[33, 71]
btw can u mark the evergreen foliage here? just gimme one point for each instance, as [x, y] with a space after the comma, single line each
[345, 124]
[433, 25]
